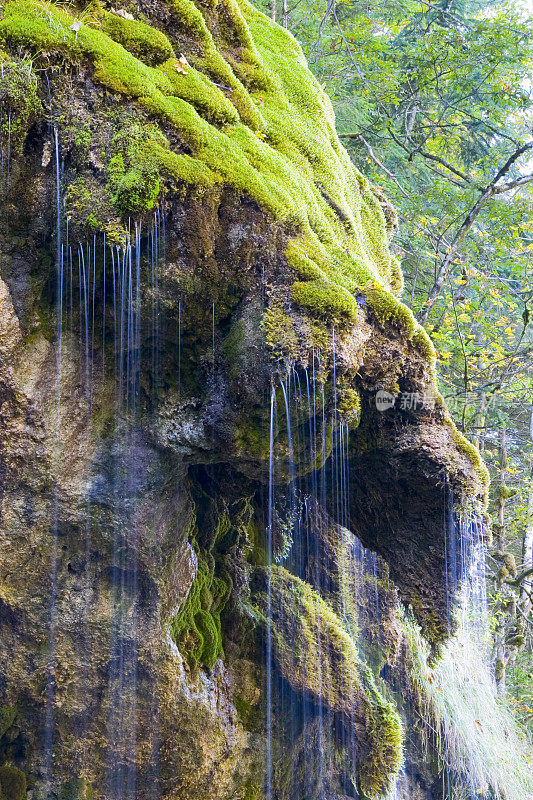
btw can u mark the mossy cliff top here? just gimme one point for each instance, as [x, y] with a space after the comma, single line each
[225, 99]
[235, 90]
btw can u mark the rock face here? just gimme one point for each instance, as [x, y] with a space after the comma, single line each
[181, 231]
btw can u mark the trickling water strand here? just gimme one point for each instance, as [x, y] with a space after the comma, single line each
[114, 289]
[153, 270]
[103, 302]
[130, 355]
[290, 456]
[335, 436]
[51, 683]
[213, 342]
[93, 316]
[71, 293]
[179, 351]
[9, 152]
[59, 260]
[121, 263]
[269, 597]
[159, 251]
[137, 339]
[85, 311]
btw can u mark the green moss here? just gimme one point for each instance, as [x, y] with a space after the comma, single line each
[424, 345]
[211, 62]
[284, 153]
[82, 137]
[141, 157]
[300, 620]
[349, 406]
[235, 347]
[79, 203]
[143, 41]
[253, 791]
[137, 191]
[388, 309]
[280, 336]
[134, 172]
[249, 714]
[325, 299]
[8, 715]
[75, 789]
[249, 436]
[115, 233]
[435, 629]
[196, 629]
[472, 454]
[316, 655]
[377, 773]
[19, 99]
[12, 783]
[185, 169]
[197, 89]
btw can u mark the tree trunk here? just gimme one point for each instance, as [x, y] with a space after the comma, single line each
[501, 655]
[527, 549]
[479, 429]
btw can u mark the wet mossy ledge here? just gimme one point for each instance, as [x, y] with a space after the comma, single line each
[247, 114]
[318, 657]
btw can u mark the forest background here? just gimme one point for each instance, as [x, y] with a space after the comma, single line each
[434, 103]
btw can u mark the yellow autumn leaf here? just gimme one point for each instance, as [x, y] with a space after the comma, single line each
[182, 65]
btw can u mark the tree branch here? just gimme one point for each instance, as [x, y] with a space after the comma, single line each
[467, 223]
[518, 580]
[514, 184]
[376, 160]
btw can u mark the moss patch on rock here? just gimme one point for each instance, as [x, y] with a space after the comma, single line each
[317, 657]
[12, 783]
[313, 651]
[19, 100]
[8, 715]
[196, 628]
[146, 43]
[376, 774]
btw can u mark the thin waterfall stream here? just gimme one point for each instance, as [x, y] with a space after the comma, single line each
[308, 516]
[299, 512]
[100, 265]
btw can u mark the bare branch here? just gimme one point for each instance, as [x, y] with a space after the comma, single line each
[376, 160]
[507, 187]
[419, 151]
